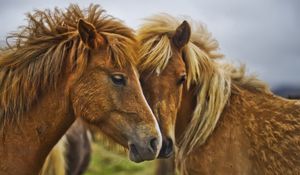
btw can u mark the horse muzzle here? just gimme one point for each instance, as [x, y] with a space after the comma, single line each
[140, 152]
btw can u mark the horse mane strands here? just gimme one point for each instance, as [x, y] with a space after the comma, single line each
[212, 97]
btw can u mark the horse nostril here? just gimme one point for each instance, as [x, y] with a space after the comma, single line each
[153, 145]
[169, 145]
[133, 149]
[167, 148]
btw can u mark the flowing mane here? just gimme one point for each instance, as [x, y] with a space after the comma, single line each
[213, 78]
[35, 62]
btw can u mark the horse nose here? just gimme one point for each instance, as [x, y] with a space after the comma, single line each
[139, 152]
[167, 148]
[153, 145]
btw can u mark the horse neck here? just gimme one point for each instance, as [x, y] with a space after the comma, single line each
[28, 143]
[237, 100]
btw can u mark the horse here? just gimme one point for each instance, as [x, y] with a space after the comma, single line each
[78, 148]
[221, 120]
[72, 154]
[68, 64]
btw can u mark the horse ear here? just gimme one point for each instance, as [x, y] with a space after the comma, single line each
[89, 35]
[182, 35]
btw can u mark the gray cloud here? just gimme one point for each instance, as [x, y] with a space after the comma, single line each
[263, 34]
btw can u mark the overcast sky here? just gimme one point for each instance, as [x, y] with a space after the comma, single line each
[265, 35]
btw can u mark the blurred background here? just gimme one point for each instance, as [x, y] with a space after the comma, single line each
[264, 35]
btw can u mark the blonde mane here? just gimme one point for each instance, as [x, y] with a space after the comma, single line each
[212, 78]
[36, 60]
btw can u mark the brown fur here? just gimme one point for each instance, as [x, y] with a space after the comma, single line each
[257, 134]
[67, 64]
[227, 122]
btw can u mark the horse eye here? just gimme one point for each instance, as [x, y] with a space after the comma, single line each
[182, 79]
[118, 79]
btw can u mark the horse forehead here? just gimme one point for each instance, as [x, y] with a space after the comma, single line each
[174, 68]
[101, 57]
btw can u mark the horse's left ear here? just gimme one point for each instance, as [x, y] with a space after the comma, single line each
[182, 35]
[89, 35]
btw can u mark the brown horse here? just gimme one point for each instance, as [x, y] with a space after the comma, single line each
[226, 122]
[67, 64]
[78, 149]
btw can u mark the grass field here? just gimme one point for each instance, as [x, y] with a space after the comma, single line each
[105, 162]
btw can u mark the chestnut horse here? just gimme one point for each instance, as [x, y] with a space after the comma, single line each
[67, 64]
[226, 122]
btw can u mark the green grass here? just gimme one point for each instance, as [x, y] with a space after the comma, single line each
[106, 162]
